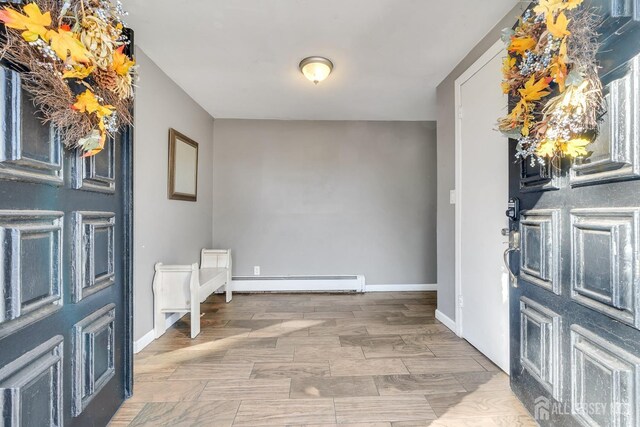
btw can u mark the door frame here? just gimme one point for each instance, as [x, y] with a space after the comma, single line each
[484, 59]
[127, 165]
[127, 182]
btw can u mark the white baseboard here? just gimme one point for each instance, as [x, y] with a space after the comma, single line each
[401, 288]
[148, 338]
[353, 283]
[320, 284]
[446, 321]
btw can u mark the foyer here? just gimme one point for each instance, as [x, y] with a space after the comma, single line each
[362, 213]
[375, 359]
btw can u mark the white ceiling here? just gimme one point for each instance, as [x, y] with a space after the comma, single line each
[239, 58]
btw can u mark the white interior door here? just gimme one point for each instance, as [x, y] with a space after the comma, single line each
[482, 180]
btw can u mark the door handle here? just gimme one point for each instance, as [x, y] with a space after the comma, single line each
[513, 277]
[514, 246]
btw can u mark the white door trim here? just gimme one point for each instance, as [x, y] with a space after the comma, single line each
[497, 48]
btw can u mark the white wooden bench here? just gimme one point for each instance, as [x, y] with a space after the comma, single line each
[181, 288]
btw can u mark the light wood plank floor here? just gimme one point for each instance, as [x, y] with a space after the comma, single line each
[377, 359]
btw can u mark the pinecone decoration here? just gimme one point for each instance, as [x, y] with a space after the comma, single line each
[107, 79]
[97, 38]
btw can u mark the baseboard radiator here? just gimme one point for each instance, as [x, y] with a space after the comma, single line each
[298, 283]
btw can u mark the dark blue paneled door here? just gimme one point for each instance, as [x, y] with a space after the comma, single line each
[575, 315]
[64, 272]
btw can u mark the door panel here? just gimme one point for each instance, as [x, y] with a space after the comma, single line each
[93, 356]
[604, 252]
[33, 386]
[535, 178]
[603, 374]
[575, 354]
[95, 173]
[65, 248]
[93, 252]
[616, 152]
[32, 261]
[540, 344]
[29, 152]
[540, 260]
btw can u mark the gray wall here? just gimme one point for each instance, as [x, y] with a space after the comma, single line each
[165, 230]
[446, 164]
[326, 197]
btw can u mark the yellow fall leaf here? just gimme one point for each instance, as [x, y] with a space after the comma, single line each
[534, 91]
[121, 62]
[576, 147]
[559, 71]
[508, 63]
[526, 123]
[517, 116]
[30, 36]
[546, 148]
[520, 109]
[562, 53]
[34, 22]
[550, 7]
[78, 72]
[65, 44]
[558, 27]
[87, 102]
[521, 44]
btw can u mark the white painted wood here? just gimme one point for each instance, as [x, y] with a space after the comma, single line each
[299, 284]
[148, 338]
[145, 340]
[481, 199]
[181, 288]
[219, 258]
[319, 284]
[446, 320]
[425, 287]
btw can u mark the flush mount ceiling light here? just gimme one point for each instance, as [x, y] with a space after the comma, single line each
[316, 68]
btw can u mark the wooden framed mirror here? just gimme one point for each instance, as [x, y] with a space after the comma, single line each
[183, 167]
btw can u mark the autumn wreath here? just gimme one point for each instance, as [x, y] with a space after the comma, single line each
[71, 55]
[551, 73]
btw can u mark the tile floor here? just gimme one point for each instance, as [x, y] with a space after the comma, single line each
[377, 359]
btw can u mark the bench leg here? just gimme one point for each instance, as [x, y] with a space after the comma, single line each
[195, 316]
[227, 287]
[159, 323]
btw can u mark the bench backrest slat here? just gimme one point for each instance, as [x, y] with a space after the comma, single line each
[214, 258]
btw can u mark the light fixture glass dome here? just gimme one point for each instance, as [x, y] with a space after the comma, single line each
[316, 68]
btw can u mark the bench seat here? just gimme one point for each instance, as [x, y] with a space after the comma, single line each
[211, 279]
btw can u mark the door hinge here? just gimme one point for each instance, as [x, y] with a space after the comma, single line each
[460, 301]
[460, 112]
